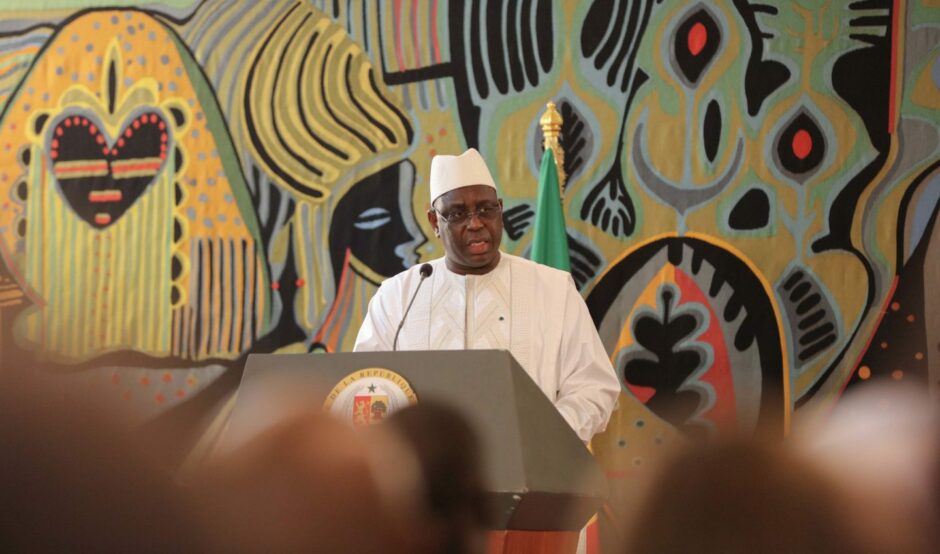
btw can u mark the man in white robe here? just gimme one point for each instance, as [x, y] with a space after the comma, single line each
[480, 298]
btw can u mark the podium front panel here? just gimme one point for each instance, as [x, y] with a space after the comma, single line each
[538, 473]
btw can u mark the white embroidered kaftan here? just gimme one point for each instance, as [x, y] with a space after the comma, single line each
[532, 310]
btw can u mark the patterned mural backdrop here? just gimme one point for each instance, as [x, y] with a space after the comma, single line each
[753, 187]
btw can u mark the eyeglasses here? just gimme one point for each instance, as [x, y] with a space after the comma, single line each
[460, 217]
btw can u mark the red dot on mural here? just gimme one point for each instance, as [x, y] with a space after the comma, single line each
[54, 154]
[136, 124]
[153, 118]
[145, 381]
[698, 37]
[120, 142]
[100, 139]
[128, 132]
[68, 122]
[163, 137]
[58, 132]
[180, 393]
[76, 120]
[115, 378]
[299, 283]
[55, 143]
[105, 150]
[161, 126]
[84, 122]
[92, 129]
[167, 377]
[159, 398]
[275, 285]
[802, 144]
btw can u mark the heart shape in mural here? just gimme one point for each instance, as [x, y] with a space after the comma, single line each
[101, 178]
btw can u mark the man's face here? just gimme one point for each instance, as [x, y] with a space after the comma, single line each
[472, 245]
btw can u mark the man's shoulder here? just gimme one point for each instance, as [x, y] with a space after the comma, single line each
[539, 270]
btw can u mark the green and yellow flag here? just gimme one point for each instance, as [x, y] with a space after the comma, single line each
[550, 243]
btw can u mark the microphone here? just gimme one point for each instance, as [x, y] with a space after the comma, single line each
[425, 272]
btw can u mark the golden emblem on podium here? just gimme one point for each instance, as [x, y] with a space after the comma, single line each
[369, 395]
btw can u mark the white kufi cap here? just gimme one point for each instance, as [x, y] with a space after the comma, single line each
[453, 172]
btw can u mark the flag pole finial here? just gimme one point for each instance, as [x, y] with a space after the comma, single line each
[551, 122]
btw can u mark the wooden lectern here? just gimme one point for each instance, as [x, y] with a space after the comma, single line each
[543, 483]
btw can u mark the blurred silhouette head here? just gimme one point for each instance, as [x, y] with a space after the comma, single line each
[307, 484]
[73, 480]
[448, 452]
[739, 496]
[881, 445]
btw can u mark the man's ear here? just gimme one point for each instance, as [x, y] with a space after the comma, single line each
[432, 219]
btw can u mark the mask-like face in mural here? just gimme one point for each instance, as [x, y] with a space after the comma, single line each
[330, 141]
[374, 226]
[132, 201]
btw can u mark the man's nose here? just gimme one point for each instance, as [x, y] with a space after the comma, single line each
[475, 221]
